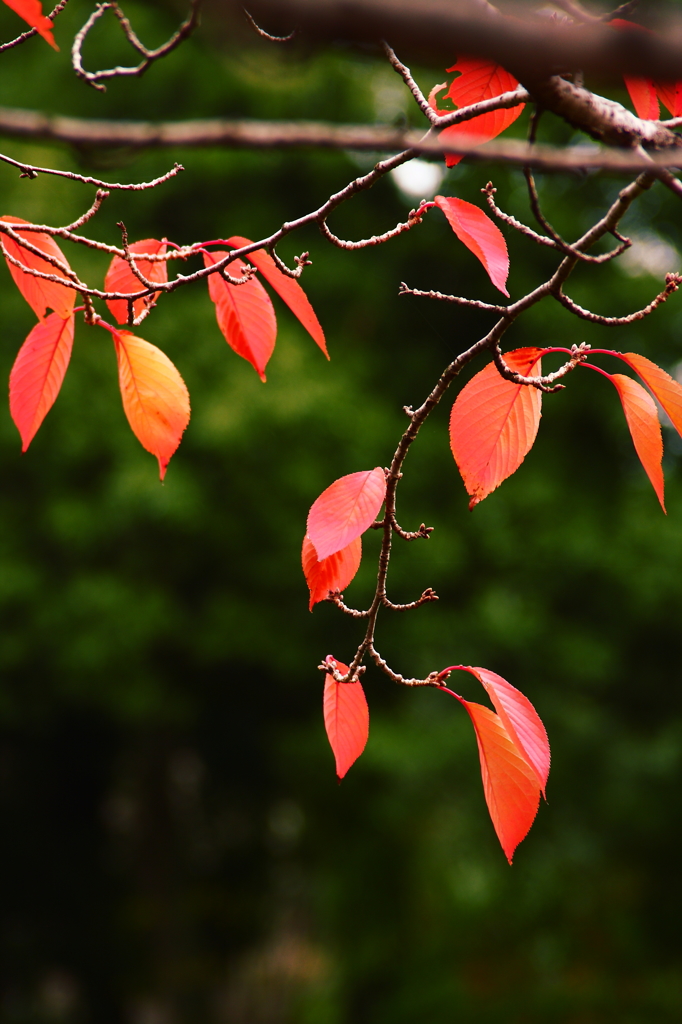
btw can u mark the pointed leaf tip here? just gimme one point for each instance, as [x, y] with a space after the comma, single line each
[346, 718]
[32, 13]
[287, 288]
[642, 419]
[155, 398]
[332, 573]
[345, 510]
[481, 236]
[244, 313]
[494, 423]
[38, 373]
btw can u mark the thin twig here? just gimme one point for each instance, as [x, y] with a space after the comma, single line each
[404, 289]
[672, 284]
[93, 78]
[30, 32]
[266, 35]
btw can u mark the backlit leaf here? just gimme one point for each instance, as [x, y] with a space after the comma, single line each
[665, 389]
[38, 373]
[39, 293]
[642, 419]
[494, 423]
[346, 718]
[477, 231]
[120, 278]
[32, 13]
[345, 510]
[155, 398]
[287, 288]
[519, 718]
[510, 784]
[670, 94]
[479, 80]
[244, 313]
[332, 573]
[643, 95]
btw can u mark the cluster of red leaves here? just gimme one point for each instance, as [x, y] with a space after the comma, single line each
[494, 421]
[155, 399]
[32, 13]
[512, 744]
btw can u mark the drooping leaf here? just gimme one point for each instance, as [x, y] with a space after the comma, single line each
[287, 288]
[155, 398]
[345, 510]
[32, 13]
[244, 313]
[479, 80]
[665, 388]
[39, 293]
[346, 718]
[510, 784]
[332, 573]
[494, 423]
[642, 419]
[643, 95]
[520, 719]
[120, 278]
[38, 373]
[476, 230]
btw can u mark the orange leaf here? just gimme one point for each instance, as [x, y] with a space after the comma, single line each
[155, 398]
[39, 293]
[494, 423]
[38, 373]
[120, 278]
[332, 573]
[509, 783]
[643, 96]
[665, 389]
[479, 80]
[32, 13]
[642, 419]
[287, 288]
[346, 718]
[345, 510]
[519, 718]
[244, 313]
[481, 236]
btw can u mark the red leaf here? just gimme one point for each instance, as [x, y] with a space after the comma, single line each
[520, 719]
[345, 510]
[32, 13]
[244, 313]
[38, 373]
[476, 230]
[670, 94]
[346, 718]
[332, 573]
[509, 783]
[494, 423]
[665, 389]
[479, 80]
[642, 419]
[287, 288]
[155, 398]
[120, 278]
[643, 96]
[39, 293]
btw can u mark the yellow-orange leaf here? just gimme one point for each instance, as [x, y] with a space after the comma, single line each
[155, 398]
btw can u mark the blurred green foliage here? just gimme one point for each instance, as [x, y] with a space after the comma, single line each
[175, 845]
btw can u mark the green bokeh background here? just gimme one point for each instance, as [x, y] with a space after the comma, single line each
[175, 847]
